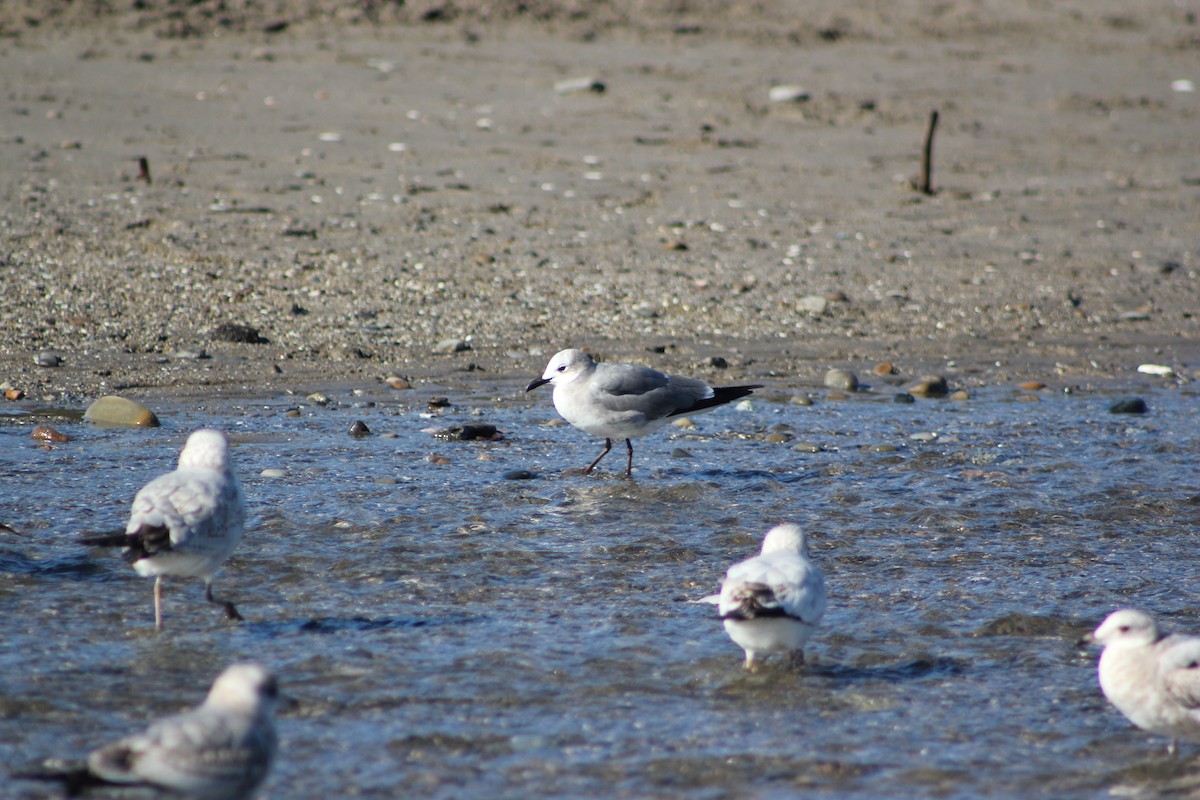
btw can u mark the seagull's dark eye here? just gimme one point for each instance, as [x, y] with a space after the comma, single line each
[1193, 664]
[562, 367]
[1124, 629]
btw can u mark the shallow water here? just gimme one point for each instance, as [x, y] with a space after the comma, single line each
[451, 633]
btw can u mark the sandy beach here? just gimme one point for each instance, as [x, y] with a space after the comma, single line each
[452, 192]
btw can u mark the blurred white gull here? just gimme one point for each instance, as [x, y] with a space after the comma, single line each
[773, 602]
[624, 401]
[1151, 678]
[187, 522]
[221, 750]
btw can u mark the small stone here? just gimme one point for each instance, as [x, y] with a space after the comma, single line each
[778, 437]
[683, 422]
[924, 436]
[1031, 386]
[960, 395]
[439, 402]
[13, 394]
[317, 399]
[842, 380]
[903, 397]
[1028, 398]
[47, 359]
[680, 452]
[744, 405]
[234, 332]
[272, 472]
[518, 475]
[439, 460]
[930, 386]
[675, 244]
[469, 432]
[584, 84]
[813, 304]
[44, 433]
[184, 354]
[788, 93]
[800, 400]
[1130, 405]
[807, 447]
[883, 448]
[885, 368]
[1156, 369]
[293, 412]
[359, 429]
[836, 395]
[716, 362]
[120, 412]
[397, 383]
[451, 346]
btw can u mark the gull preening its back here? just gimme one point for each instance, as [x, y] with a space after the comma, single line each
[187, 522]
[773, 602]
[1151, 678]
[221, 750]
[624, 401]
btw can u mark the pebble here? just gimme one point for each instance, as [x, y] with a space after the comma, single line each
[13, 394]
[469, 432]
[884, 368]
[683, 422]
[883, 448]
[44, 433]
[439, 402]
[273, 472]
[801, 400]
[518, 475]
[960, 395]
[930, 386]
[317, 399]
[1156, 369]
[925, 436]
[439, 460]
[234, 332]
[778, 437]
[680, 452]
[788, 93]
[813, 304]
[359, 428]
[120, 412]
[396, 382]
[744, 405]
[1031, 386]
[452, 346]
[293, 412]
[807, 447]
[716, 362]
[584, 84]
[184, 354]
[47, 359]
[1130, 405]
[903, 397]
[842, 380]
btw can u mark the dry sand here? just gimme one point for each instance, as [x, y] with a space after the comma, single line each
[362, 184]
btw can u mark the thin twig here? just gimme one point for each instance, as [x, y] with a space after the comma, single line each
[926, 184]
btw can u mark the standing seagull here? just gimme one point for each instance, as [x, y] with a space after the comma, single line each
[772, 603]
[221, 750]
[187, 522]
[1153, 679]
[622, 401]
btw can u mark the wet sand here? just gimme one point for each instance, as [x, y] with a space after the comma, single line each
[360, 193]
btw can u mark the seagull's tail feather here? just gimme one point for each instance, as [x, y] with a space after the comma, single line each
[721, 396]
[74, 779]
[751, 601]
[146, 540]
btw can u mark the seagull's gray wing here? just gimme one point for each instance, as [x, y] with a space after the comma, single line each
[629, 388]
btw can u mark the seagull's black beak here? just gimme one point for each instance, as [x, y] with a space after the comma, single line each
[536, 382]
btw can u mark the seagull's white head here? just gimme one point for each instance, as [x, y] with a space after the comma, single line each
[786, 539]
[205, 448]
[246, 687]
[564, 367]
[1126, 627]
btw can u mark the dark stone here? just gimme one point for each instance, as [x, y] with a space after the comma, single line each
[1130, 405]
[903, 397]
[242, 334]
[359, 428]
[469, 432]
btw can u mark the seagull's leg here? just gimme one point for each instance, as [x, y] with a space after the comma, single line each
[158, 603]
[603, 453]
[629, 461]
[751, 664]
[230, 610]
[1173, 748]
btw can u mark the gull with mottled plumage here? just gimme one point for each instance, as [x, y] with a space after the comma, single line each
[624, 401]
[773, 602]
[1151, 677]
[221, 750]
[187, 522]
